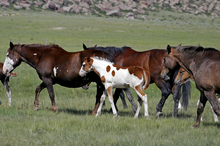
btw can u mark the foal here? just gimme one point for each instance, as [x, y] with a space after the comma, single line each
[184, 76]
[113, 76]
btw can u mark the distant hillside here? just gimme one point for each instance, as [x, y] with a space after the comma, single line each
[128, 9]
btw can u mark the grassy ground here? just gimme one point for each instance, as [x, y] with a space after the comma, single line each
[73, 124]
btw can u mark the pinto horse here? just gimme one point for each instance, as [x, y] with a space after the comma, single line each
[5, 81]
[113, 76]
[151, 60]
[203, 65]
[54, 65]
[182, 77]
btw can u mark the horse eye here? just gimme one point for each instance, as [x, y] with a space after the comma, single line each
[164, 59]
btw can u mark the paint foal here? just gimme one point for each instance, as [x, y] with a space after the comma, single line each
[113, 76]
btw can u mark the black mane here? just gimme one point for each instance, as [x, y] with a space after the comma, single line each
[195, 49]
[111, 50]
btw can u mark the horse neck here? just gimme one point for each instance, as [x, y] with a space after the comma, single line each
[187, 61]
[100, 65]
[30, 56]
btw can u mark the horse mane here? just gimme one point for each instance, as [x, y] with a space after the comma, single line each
[195, 49]
[112, 50]
[102, 59]
[42, 46]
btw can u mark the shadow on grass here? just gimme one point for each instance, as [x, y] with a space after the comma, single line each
[208, 124]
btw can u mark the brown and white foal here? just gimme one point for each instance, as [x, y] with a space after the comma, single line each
[113, 76]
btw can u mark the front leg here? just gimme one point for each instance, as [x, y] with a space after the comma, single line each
[200, 109]
[8, 90]
[110, 98]
[37, 92]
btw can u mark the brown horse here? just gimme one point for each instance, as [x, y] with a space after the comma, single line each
[203, 65]
[5, 81]
[151, 60]
[54, 65]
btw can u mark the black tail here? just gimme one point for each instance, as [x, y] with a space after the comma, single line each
[186, 93]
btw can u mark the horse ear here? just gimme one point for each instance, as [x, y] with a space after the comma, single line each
[95, 46]
[179, 45]
[11, 45]
[84, 47]
[168, 49]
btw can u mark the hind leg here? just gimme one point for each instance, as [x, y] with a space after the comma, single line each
[37, 92]
[131, 99]
[143, 97]
[101, 104]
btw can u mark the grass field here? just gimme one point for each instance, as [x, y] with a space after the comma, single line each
[74, 124]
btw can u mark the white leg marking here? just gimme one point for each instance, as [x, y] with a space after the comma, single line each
[101, 103]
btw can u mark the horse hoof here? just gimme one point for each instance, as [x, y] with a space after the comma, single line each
[115, 115]
[35, 109]
[85, 87]
[147, 117]
[159, 114]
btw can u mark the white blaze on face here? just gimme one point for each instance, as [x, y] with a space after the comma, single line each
[82, 72]
[8, 64]
[35, 54]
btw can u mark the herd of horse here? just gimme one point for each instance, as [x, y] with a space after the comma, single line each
[121, 68]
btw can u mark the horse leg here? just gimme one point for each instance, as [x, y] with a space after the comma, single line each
[200, 109]
[101, 104]
[214, 115]
[211, 96]
[122, 96]
[110, 98]
[143, 97]
[139, 107]
[5, 82]
[99, 92]
[130, 98]
[49, 85]
[37, 92]
[176, 98]
[166, 90]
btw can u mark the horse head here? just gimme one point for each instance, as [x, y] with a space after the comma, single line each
[182, 76]
[12, 59]
[86, 66]
[169, 65]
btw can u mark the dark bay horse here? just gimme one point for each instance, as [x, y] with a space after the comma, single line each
[203, 64]
[5, 81]
[54, 65]
[151, 60]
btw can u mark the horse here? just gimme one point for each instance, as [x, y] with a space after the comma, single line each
[203, 65]
[151, 60]
[5, 81]
[182, 77]
[113, 76]
[54, 65]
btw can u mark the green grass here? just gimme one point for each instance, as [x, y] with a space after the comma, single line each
[73, 124]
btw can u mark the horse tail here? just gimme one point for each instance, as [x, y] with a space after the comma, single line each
[186, 93]
[146, 79]
[13, 74]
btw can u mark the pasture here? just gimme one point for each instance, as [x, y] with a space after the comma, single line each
[74, 124]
